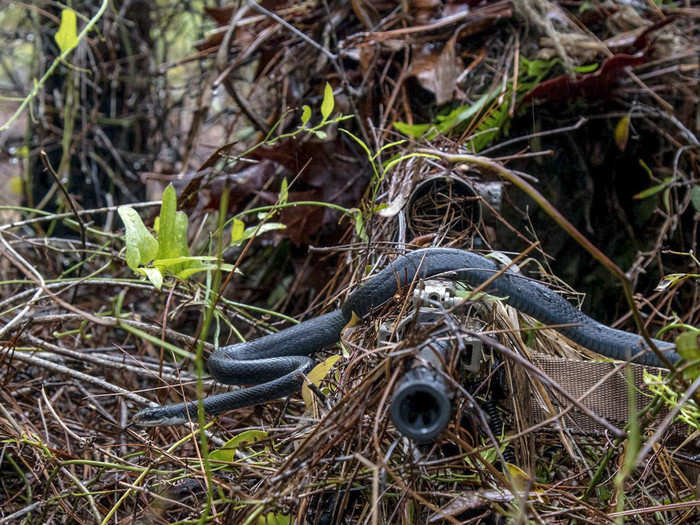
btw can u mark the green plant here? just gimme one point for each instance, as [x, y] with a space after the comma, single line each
[490, 115]
[658, 385]
[169, 253]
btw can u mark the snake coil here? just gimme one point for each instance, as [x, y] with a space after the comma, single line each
[275, 363]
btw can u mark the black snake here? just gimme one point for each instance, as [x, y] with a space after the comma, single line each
[275, 363]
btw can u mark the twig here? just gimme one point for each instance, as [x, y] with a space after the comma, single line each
[86, 378]
[284, 23]
[581, 121]
[53, 216]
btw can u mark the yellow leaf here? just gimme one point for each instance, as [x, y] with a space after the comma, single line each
[622, 132]
[354, 321]
[67, 36]
[316, 376]
[15, 185]
[237, 231]
[519, 476]
[227, 453]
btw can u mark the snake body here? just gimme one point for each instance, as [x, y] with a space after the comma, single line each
[275, 363]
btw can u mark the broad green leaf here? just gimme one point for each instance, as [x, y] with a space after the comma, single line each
[284, 192]
[305, 114]
[227, 453]
[237, 231]
[141, 246]
[695, 197]
[316, 376]
[67, 35]
[154, 275]
[328, 102]
[272, 518]
[622, 132]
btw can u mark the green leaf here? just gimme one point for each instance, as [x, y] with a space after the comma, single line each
[227, 453]
[274, 519]
[141, 246]
[186, 273]
[237, 231]
[154, 275]
[653, 190]
[666, 198]
[695, 197]
[284, 192]
[321, 134]
[171, 261]
[180, 242]
[16, 185]
[412, 130]
[328, 102]
[254, 231]
[305, 114]
[535, 70]
[622, 132]
[67, 35]
[463, 113]
[495, 122]
[166, 225]
[688, 346]
[588, 68]
[359, 224]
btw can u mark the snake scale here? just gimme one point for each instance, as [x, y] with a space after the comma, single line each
[275, 363]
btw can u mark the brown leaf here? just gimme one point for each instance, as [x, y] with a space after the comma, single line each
[220, 15]
[437, 72]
